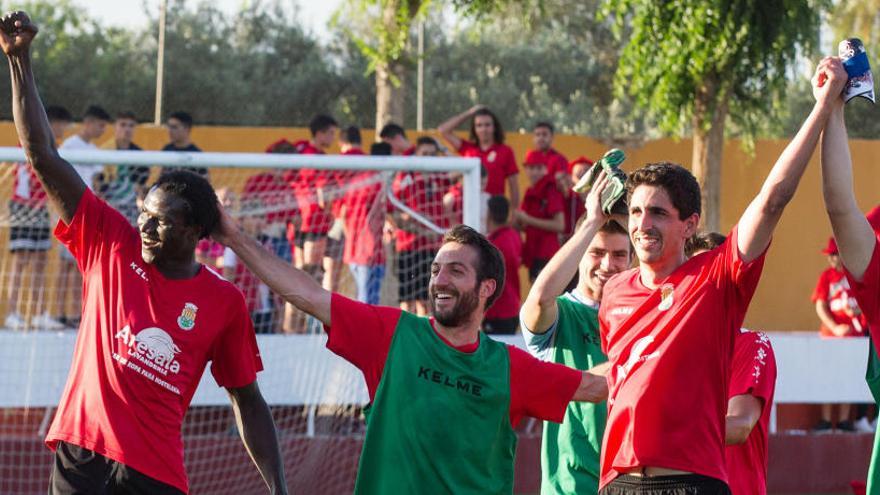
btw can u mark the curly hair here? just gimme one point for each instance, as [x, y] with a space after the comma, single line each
[498, 133]
[200, 198]
[490, 263]
[677, 181]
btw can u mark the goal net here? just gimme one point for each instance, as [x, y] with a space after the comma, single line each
[365, 226]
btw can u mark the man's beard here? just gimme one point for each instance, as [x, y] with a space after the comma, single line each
[464, 306]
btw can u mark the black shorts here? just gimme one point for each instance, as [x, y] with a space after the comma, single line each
[304, 237]
[28, 227]
[686, 484]
[334, 248]
[501, 326]
[77, 470]
[413, 274]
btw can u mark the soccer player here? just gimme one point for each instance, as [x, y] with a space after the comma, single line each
[153, 318]
[444, 397]
[503, 316]
[563, 327]
[395, 136]
[750, 398]
[487, 143]
[543, 152]
[670, 372]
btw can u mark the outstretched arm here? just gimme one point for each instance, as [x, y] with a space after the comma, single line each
[855, 237]
[594, 385]
[758, 222]
[61, 182]
[539, 310]
[292, 284]
[257, 430]
[447, 129]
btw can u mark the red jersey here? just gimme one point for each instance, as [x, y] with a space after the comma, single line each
[364, 219]
[422, 193]
[574, 210]
[554, 160]
[309, 181]
[26, 188]
[498, 160]
[542, 200]
[670, 350]
[833, 288]
[361, 334]
[507, 240]
[268, 192]
[142, 346]
[867, 293]
[754, 373]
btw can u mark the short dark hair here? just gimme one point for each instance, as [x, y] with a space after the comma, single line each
[321, 122]
[184, 118]
[681, 186]
[380, 149]
[126, 115]
[498, 134]
[199, 196]
[351, 135]
[703, 241]
[96, 112]
[490, 263]
[499, 209]
[391, 130]
[57, 113]
[544, 124]
[423, 140]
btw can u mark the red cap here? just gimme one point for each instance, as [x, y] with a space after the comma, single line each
[534, 157]
[578, 161]
[831, 248]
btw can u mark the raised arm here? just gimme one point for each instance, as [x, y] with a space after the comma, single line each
[854, 235]
[61, 182]
[539, 310]
[758, 222]
[257, 430]
[293, 285]
[447, 128]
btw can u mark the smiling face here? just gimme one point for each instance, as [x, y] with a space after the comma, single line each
[166, 237]
[455, 296]
[657, 233]
[607, 255]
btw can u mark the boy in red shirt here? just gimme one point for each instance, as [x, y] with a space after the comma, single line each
[668, 383]
[503, 316]
[541, 216]
[143, 343]
[487, 143]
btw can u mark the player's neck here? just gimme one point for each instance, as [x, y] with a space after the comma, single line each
[484, 145]
[651, 275]
[183, 143]
[179, 270]
[465, 334]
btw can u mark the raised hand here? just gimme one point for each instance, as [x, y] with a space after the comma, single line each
[829, 80]
[593, 202]
[16, 33]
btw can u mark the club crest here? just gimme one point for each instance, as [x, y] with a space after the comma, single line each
[491, 156]
[666, 299]
[187, 318]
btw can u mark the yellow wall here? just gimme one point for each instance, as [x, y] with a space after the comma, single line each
[793, 264]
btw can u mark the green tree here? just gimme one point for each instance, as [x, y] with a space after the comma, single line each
[694, 64]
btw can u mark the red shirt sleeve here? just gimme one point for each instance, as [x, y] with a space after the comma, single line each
[867, 291]
[235, 357]
[820, 293]
[508, 162]
[468, 147]
[94, 231]
[361, 334]
[754, 367]
[743, 277]
[539, 389]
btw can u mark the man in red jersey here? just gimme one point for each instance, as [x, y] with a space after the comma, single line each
[395, 136]
[541, 217]
[750, 398]
[670, 373]
[543, 152]
[143, 342]
[486, 143]
[503, 316]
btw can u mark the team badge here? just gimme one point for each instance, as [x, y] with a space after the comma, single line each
[666, 300]
[491, 156]
[187, 318]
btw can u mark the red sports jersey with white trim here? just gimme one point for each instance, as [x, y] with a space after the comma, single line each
[867, 293]
[754, 373]
[142, 347]
[670, 350]
[499, 161]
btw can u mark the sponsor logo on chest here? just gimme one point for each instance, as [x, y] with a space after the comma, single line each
[462, 384]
